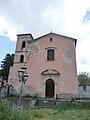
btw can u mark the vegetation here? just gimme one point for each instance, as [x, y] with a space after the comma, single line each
[65, 111]
[84, 78]
[5, 66]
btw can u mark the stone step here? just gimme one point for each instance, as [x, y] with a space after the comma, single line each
[45, 103]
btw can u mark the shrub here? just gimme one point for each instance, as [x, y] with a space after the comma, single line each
[69, 106]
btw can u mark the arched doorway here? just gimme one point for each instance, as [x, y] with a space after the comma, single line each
[49, 91]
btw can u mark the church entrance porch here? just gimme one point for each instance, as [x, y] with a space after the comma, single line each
[50, 83]
[49, 88]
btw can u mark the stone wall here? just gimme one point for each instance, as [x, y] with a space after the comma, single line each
[84, 90]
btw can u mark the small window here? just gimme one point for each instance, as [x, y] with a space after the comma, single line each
[50, 54]
[22, 58]
[23, 44]
[51, 39]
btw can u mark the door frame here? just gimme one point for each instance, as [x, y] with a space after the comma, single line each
[50, 74]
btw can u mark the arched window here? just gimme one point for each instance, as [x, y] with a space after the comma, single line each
[23, 44]
[22, 58]
[50, 54]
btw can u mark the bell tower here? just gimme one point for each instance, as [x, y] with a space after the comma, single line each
[20, 58]
[21, 48]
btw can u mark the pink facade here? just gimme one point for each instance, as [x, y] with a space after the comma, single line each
[51, 65]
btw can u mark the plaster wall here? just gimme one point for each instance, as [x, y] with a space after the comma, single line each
[35, 58]
[67, 82]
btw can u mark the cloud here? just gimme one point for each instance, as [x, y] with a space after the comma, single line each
[7, 30]
[67, 17]
[27, 16]
[24, 16]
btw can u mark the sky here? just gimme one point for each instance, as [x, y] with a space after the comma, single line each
[38, 17]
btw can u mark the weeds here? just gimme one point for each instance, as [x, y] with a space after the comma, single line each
[65, 111]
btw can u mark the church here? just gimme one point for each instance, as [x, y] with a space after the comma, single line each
[51, 65]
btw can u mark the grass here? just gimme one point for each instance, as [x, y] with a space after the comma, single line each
[66, 111]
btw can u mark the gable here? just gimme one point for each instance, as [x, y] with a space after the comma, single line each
[50, 35]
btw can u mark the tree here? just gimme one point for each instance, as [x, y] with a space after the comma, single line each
[6, 63]
[84, 78]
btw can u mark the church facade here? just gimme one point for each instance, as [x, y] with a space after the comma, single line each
[51, 65]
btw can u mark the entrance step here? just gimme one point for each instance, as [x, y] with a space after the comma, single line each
[46, 103]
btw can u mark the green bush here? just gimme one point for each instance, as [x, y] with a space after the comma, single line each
[70, 106]
[64, 111]
[7, 113]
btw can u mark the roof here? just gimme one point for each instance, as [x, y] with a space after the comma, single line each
[25, 35]
[33, 40]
